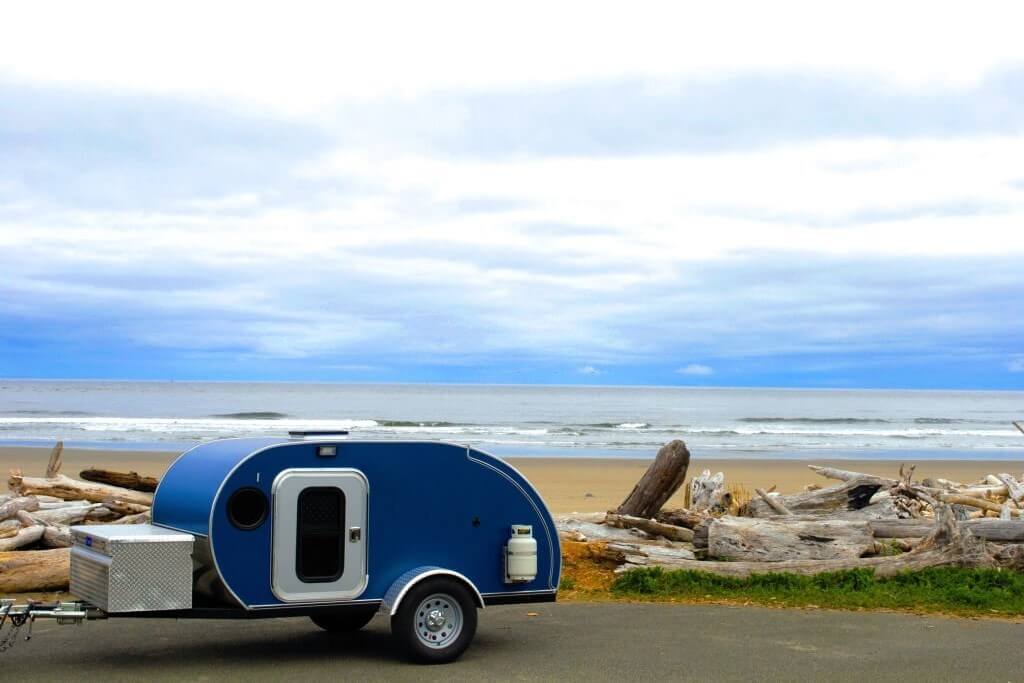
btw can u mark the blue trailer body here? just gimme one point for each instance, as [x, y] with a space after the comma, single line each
[429, 504]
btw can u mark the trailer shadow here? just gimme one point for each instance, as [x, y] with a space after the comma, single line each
[196, 644]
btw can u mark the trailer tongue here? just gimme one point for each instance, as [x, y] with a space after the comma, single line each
[13, 616]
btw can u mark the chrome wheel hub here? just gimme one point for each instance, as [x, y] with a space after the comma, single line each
[438, 620]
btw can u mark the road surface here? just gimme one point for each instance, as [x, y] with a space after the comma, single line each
[572, 641]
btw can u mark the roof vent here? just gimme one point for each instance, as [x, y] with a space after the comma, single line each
[303, 433]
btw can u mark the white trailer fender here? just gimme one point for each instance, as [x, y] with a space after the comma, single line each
[402, 585]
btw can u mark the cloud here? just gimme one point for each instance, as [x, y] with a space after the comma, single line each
[701, 115]
[697, 370]
[427, 49]
[88, 150]
[1016, 364]
[799, 205]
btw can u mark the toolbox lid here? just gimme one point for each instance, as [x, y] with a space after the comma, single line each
[137, 533]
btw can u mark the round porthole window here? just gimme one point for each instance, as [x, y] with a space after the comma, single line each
[247, 508]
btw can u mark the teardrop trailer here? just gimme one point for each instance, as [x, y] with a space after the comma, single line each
[336, 530]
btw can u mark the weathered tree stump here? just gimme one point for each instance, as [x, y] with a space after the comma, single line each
[707, 492]
[660, 481]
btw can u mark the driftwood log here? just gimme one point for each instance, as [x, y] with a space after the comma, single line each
[1011, 556]
[971, 501]
[764, 540]
[1014, 489]
[57, 537]
[125, 480]
[53, 466]
[34, 570]
[572, 528]
[141, 518]
[947, 545]
[67, 488]
[124, 508]
[24, 536]
[11, 508]
[852, 494]
[54, 536]
[681, 517]
[9, 527]
[665, 475]
[772, 501]
[71, 514]
[650, 526]
[51, 503]
[632, 555]
[846, 475]
[995, 530]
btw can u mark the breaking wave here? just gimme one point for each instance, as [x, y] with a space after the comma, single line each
[256, 415]
[752, 433]
[617, 425]
[413, 423]
[55, 413]
[816, 420]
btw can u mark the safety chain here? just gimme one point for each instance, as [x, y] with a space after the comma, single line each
[17, 621]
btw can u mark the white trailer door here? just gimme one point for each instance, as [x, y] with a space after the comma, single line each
[319, 536]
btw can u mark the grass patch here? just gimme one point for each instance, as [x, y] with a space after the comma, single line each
[938, 589]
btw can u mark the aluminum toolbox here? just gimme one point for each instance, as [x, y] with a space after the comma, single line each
[132, 567]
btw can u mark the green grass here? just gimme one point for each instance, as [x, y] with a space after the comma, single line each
[939, 589]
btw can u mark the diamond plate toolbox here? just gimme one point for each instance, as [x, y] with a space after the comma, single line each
[132, 567]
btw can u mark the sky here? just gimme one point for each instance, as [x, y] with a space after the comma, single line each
[724, 194]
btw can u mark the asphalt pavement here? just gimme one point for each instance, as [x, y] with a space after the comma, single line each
[571, 641]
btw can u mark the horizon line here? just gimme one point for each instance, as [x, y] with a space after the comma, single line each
[507, 384]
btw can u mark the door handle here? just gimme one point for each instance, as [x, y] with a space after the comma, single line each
[355, 534]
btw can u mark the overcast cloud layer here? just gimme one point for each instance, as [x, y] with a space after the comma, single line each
[793, 198]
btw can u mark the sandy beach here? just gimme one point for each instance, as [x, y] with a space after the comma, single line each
[567, 484]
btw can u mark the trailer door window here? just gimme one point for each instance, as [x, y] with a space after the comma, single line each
[320, 546]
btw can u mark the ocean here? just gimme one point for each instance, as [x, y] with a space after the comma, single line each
[524, 420]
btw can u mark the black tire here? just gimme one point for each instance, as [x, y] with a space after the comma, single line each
[342, 622]
[408, 625]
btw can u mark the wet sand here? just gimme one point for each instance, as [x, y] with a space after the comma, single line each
[567, 484]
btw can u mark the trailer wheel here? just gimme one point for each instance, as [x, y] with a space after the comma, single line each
[344, 621]
[436, 621]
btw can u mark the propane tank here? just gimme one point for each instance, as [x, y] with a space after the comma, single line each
[521, 555]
